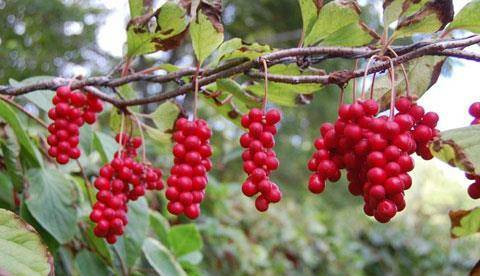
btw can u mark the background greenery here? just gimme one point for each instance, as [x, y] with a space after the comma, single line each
[304, 234]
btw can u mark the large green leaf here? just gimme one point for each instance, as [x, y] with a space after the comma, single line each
[184, 239]
[422, 74]
[159, 226]
[41, 98]
[161, 259]
[165, 116]
[459, 147]
[206, 36]
[310, 10]
[225, 105]
[136, 231]
[354, 34]
[232, 87]
[169, 31]
[339, 19]
[20, 132]
[468, 18]
[465, 223]
[21, 249]
[88, 264]
[283, 93]
[105, 145]
[432, 17]
[50, 199]
[235, 48]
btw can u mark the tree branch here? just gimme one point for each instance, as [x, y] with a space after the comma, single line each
[452, 47]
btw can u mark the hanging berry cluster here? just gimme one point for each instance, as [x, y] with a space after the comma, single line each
[375, 151]
[188, 179]
[259, 159]
[119, 181]
[72, 109]
[474, 188]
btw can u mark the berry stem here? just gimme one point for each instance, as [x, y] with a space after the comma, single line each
[405, 75]
[354, 84]
[195, 100]
[140, 129]
[372, 85]
[392, 96]
[342, 94]
[265, 87]
[370, 60]
[88, 185]
[122, 122]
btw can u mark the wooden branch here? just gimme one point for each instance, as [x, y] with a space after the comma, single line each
[452, 47]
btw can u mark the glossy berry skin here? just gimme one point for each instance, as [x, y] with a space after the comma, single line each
[259, 158]
[71, 110]
[375, 152]
[121, 180]
[189, 178]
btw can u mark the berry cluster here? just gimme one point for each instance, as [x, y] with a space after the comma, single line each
[188, 179]
[375, 151]
[474, 188]
[259, 159]
[121, 180]
[72, 109]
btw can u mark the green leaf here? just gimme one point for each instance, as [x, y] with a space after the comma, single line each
[136, 230]
[193, 258]
[160, 226]
[22, 251]
[51, 198]
[338, 18]
[310, 10]
[422, 74]
[283, 93]
[206, 36]
[168, 32]
[20, 132]
[13, 168]
[89, 264]
[136, 8]
[160, 258]
[432, 17]
[235, 48]
[459, 147]
[393, 10]
[41, 98]
[232, 87]
[230, 110]
[465, 223]
[165, 116]
[105, 145]
[354, 34]
[184, 239]
[6, 192]
[468, 18]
